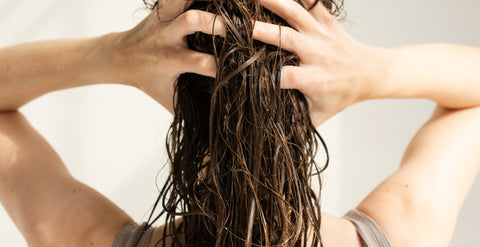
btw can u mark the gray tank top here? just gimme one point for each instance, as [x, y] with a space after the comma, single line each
[370, 232]
[130, 233]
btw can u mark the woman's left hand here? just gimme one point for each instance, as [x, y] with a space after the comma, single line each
[334, 70]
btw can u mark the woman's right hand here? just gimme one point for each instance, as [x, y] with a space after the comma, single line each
[334, 70]
[154, 53]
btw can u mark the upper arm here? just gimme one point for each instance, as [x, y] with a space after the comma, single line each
[418, 205]
[46, 203]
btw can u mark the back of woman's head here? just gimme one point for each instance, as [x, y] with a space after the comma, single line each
[242, 149]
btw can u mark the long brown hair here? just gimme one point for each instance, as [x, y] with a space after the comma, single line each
[241, 149]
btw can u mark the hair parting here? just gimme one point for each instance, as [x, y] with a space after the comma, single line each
[241, 148]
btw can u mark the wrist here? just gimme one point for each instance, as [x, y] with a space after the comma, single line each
[102, 63]
[377, 74]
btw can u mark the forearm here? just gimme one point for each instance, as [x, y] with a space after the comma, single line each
[33, 69]
[445, 73]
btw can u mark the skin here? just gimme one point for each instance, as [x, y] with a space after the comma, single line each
[416, 206]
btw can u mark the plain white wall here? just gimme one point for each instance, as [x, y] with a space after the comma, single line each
[112, 137]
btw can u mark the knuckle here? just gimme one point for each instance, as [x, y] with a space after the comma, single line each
[329, 19]
[201, 62]
[291, 11]
[289, 79]
[290, 37]
[204, 63]
[295, 15]
[190, 18]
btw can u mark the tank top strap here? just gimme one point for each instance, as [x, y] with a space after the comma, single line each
[370, 232]
[130, 234]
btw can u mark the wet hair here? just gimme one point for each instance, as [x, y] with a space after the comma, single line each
[241, 148]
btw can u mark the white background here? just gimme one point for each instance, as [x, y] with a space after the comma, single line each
[112, 137]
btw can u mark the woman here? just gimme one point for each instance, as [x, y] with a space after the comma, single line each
[416, 206]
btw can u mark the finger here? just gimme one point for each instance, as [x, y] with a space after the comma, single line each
[292, 12]
[284, 37]
[169, 9]
[199, 21]
[293, 77]
[317, 9]
[198, 63]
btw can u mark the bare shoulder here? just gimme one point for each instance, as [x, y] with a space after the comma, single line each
[418, 204]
